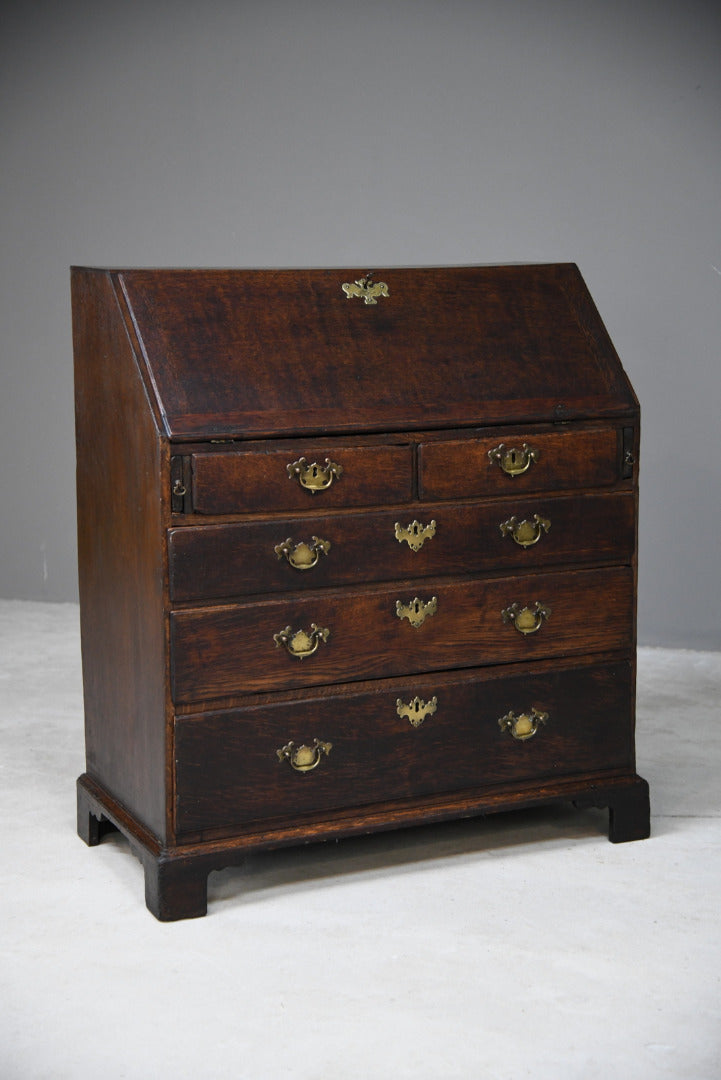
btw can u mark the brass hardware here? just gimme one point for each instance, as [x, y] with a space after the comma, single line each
[366, 289]
[302, 556]
[524, 726]
[415, 534]
[526, 533]
[314, 477]
[299, 643]
[416, 611]
[513, 461]
[416, 710]
[526, 620]
[179, 484]
[304, 758]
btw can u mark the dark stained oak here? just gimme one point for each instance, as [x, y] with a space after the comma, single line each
[256, 480]
[459, 345]
[122, 502]
[565, 458]
[221, 561]
[231, 650]
[228, 772]
[195, 392]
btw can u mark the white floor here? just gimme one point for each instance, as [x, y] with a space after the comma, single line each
[516, 946]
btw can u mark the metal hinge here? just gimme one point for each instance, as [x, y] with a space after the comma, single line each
[628, 456]
[179, 484]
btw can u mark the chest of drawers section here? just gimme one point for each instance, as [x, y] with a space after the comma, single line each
[302, 636]
[320, 603]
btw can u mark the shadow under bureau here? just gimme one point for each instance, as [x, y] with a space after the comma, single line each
[356, 551]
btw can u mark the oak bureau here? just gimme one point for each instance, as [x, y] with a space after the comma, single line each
[356, 551]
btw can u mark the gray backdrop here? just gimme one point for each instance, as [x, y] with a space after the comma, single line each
[367, 133]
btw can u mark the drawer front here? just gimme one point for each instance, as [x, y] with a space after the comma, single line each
[217, 561]
[237, 767]
[305, 478]
[328, 637]
[550, 460]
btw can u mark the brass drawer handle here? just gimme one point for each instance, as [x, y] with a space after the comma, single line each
[415, 534]
[416, 611]
[526, 533]
[314, 477]
[513, 461]
[527, 620]
[416, 710]
[302, 556]
[299, 643]
[524, 726]
[304, 758]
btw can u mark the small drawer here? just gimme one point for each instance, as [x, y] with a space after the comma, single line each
[302, 478]
[328, 637]
[565, 459]
[216, 561]
[400, 740]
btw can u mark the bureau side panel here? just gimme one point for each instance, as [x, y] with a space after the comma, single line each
[120, 461]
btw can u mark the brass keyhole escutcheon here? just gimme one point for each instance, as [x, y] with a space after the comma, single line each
[304, 758]
[512, 460]
[314, 477]
[302, 555]
[527, 620]
[301, 643]
[525, 725]
[415, 534]
[526, 533]
[366, 289]
[417, 610]
[416, 710]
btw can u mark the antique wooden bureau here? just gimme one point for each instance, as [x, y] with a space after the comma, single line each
[356, 551]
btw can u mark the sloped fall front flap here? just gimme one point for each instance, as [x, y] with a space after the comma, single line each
[256, 353]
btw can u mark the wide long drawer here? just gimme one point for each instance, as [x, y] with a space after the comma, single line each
[333, 636]
[400, 740]
[215, 561]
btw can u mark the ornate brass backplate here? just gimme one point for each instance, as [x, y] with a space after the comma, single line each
[526, 533]
[304, 758]
[365, 288]
[415, 534]
[513, 461]
[300, 643]
[314, 477]
[416, 710]
[527, 620]
[302, 555]
[416, 611]
[525, 725]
